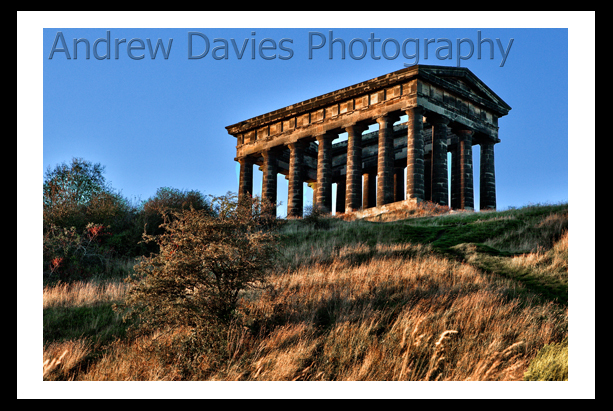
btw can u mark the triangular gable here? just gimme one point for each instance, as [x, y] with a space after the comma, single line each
[463, 80]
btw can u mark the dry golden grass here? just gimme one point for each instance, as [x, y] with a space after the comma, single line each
[340, 310]
[82, 293]
[60, 358]
[132, 361]
[423, 318]
[404, 314]
[550, 263]
[532, 237]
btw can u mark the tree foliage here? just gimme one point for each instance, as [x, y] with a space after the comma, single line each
[168, 199]
[76, 182]
[85, 222]
[204, 262]
[70, 255]
[76, 194]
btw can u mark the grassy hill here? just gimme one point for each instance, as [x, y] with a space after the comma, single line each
[464, 296]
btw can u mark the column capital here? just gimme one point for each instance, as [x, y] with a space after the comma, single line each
[436, 118]
[463, 133]
[355, 128]
[386, 119]
[325, 136]
[246, 160]
[300, 144]
[270, 153]
[382, 120]
[415, 110]
[487, 142]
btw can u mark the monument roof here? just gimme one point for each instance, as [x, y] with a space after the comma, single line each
[458, 80]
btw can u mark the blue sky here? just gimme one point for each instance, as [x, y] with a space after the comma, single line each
[156, 123]
[161, 122]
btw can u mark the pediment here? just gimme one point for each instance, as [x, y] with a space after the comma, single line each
[463, 81]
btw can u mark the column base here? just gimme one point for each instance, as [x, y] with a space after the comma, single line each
[404, 205]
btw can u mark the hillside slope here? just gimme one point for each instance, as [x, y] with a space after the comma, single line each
[467, 296]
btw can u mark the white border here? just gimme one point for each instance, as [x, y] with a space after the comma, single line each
[581, 122]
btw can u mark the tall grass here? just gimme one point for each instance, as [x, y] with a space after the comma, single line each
[387, 318]
[357, 301]
[82, 293]
[552, 262]
[532, 234]
[77, 318]
[61, 358]
[390, 318]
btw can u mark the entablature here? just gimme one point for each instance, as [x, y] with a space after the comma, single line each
[467, 102]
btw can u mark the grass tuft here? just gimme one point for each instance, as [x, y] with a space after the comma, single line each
[550, 364]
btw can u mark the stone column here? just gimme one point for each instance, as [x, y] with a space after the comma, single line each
[353, 192]
[462, 172]
[269, 177]
[385, 162]
[245, 185]
[487, 178]
[313, 186]
[398, 184]
[295, 190]
[440, 184]
[370, 189]
[428, 176]
[340, 196]
[455, 200]
[415, 155]
[324, 171]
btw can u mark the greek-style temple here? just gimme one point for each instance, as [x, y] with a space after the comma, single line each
[449, 110]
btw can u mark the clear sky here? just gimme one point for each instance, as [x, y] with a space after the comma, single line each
[161, 122]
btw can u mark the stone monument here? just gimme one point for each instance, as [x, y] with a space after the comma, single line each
[449, 110]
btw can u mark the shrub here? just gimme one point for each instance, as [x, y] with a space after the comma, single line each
[76, 195]
[161, 205]
[72, 255]
[316, 217]
[204, 262]
[168, 198]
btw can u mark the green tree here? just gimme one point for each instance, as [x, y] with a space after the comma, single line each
[77, 193]
[161, 206]
[76, 182]
[86, 223]
[167, 199]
